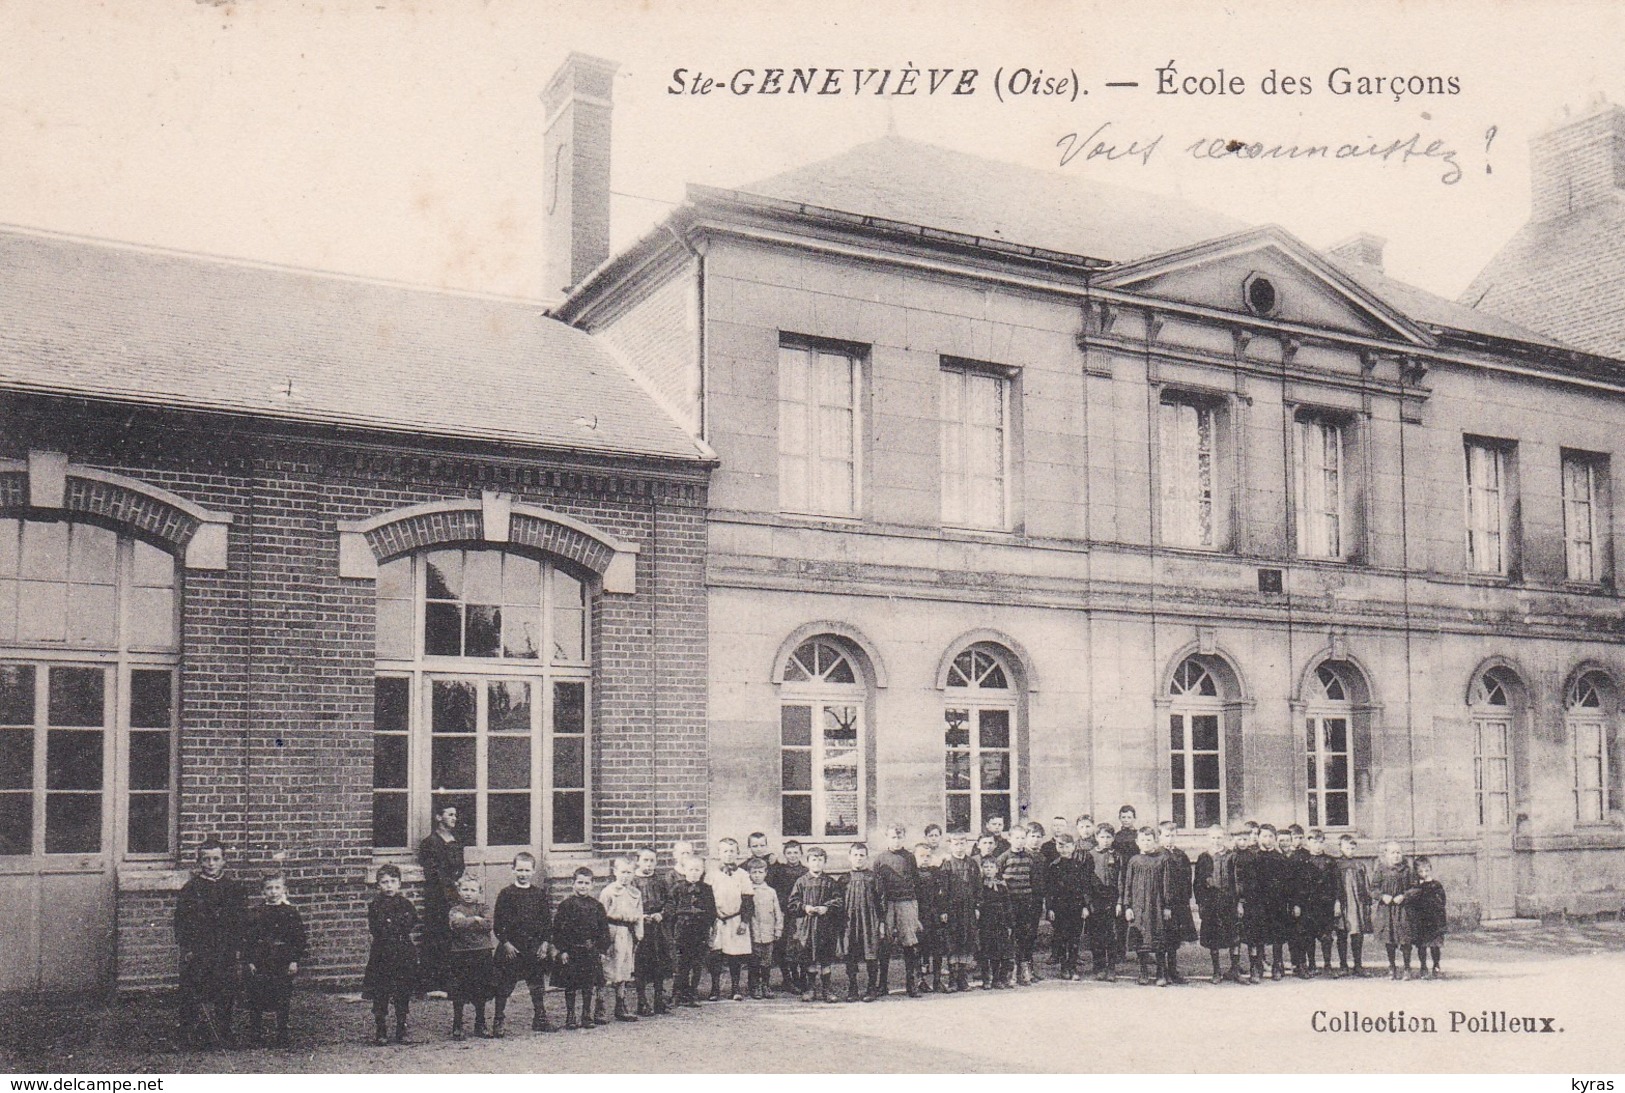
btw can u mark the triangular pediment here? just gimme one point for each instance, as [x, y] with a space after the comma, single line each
[1306, 290]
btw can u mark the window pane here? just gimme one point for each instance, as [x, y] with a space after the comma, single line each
[149, 760]
[569, 762]
[76, 696]
[42, 611]
[453, 702]
[394, 638]
[92, 553]
[1179, 810]
[959, 812]
[993, 728]
[482, 577]
[840, 728]
[1205, 732]
[389, 768]
[797, 815]
[16, 758]
[16, 694]
[1313, 773]
[443, 574]
[1176, 770]
[521, 581]
[1176, 732]
[149, 823]
[453, 762]
[522, 633]
[569, 817]
[1314, 809]
[1337, 809]
[395, 580]
[795, 770]
[795, 726]
[956, 774]
[442, 630]
[389, 819]
[45, 551]
[569, 707]
[996, 804]
[482, 634]
[509, 823]
[1205, 771]
[91, 615]
[16, 823]
[956, 728]
[1207, 809]
[508, 706]
[149, 699]
[1337, 772]
[1337, 734]
[73, 823]
[570, 635]
[152, 618]
[995, 770]
[10, 545]
[508, 763]
[389, 703]
[8, 609]
[840, 814]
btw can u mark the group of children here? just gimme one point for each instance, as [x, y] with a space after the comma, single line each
[970, 907]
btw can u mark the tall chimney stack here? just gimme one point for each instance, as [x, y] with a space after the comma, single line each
[1580, 163]
[576, 191]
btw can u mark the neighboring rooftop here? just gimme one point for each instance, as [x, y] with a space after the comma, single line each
[132, 324]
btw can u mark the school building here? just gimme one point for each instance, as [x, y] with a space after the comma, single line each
[1039, 496]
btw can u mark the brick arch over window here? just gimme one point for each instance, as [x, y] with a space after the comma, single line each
[492, 518]
[47, 482]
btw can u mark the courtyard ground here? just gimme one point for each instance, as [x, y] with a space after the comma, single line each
[1574, 975]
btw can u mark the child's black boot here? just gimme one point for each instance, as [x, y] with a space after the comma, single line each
[400, 1024]
[479, 1021]
[621, 1012]
[570, 1012]
[457, 1022]
[380, 1034]
[498, 1018]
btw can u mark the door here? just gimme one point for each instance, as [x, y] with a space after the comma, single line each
[1492, 786]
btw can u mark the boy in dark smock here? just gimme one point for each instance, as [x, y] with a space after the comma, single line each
[1216, 898]
[273, 946]
[994, 917]
[898, 876]
[1105, 907]
[1145, 909]
[209, 914]
[1353, 908]
[1426, 901]
[1267, 921]
[1177, 891]
[392, 961]
[1066, 884]
[694, 916]
[1320, 908]
[928, 895]
[1125, 844]
[816, 902]
[654, 959]
[865, 925]
[580, 939]
[782, 877]
[441, 857]
[522, 922]
[1391, 878]
[961, 880]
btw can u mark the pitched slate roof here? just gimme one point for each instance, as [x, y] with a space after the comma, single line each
[905, 180]
[1435, 311]
[138, 325]
[1565, 277]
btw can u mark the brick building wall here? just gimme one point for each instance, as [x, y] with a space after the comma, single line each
[277, 661]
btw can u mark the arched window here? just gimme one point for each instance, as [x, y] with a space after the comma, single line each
[1329, 747]
[89, 637]
[482, 700]
[1590, 714]
[1196, 743]
[979, 732]
[1493, 708]
[821, 714]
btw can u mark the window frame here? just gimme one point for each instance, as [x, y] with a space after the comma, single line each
[1186, 705]
[1319, 756]
[813, 428]
[1176, 526]
[1501, 718]
[819, 695]
[1479, 497]
[957, 477]
[1597, 722]
[974, 698]
[1598, 516]
[543, 673]
[1309, 486]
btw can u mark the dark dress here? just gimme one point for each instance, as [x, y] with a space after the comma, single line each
[208, 931]
[1176, 876]
[442, 864]
[1104, 893]
[655, 959]
[1427, 909]
[1267, 917]
[392, 963]
[928, 896]
[961, 881]
[994, 918]
[1067, 888]
[1145, 894]
[273, 938]
[470, 971]
[522, 919]
[1354, 893]
[816, 939]
[1393, 920]
[694, 915]
[864, 915]
[581, 934]
[1216, 900]
[1325, 887]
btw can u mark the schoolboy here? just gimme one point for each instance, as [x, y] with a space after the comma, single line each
[1023, 874]
[1216, 901]
[1105, 904]
[392, 961]
[580, 939]
[1426, 900]
[1391, 878]
[1146, 909]
[993, 924]
[1066, 886]
[756, 848]
[470, 969]
[694, 916]
[865, 924]
[1047, 850]
[782, 877]
[730, 939]
[1353, 907]
[522, 922]
[994, 826]
[928, 895]
[897, 875]
[766, 929]
[1320, 907]
[1125, 844]
[816, 901]
[986, 847]
[1301, 880]
[932, 834]
[1270, 903]
[209, 914]
[654, 959]
[1249, 901]
[1177, 891]
[440, 855]
[623, 910]
[273, 946]
[961, 880]
[1084, 832]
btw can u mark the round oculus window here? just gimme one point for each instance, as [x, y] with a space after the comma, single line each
[1260, 294]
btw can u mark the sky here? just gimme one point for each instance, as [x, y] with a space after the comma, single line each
[403, 141]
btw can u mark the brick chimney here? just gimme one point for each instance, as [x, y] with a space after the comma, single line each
[1363, 248]
[576, 189]
[1580, 162]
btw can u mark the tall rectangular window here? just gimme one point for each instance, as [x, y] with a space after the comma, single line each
[1195, 764]
[1491, 763]
[1328, 770]
[818, 430]
[1590, 769]
[1189, 472]
[821, 769]
[975, 448]
[1486, 507]
[1584, 515]
[1322, 487]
